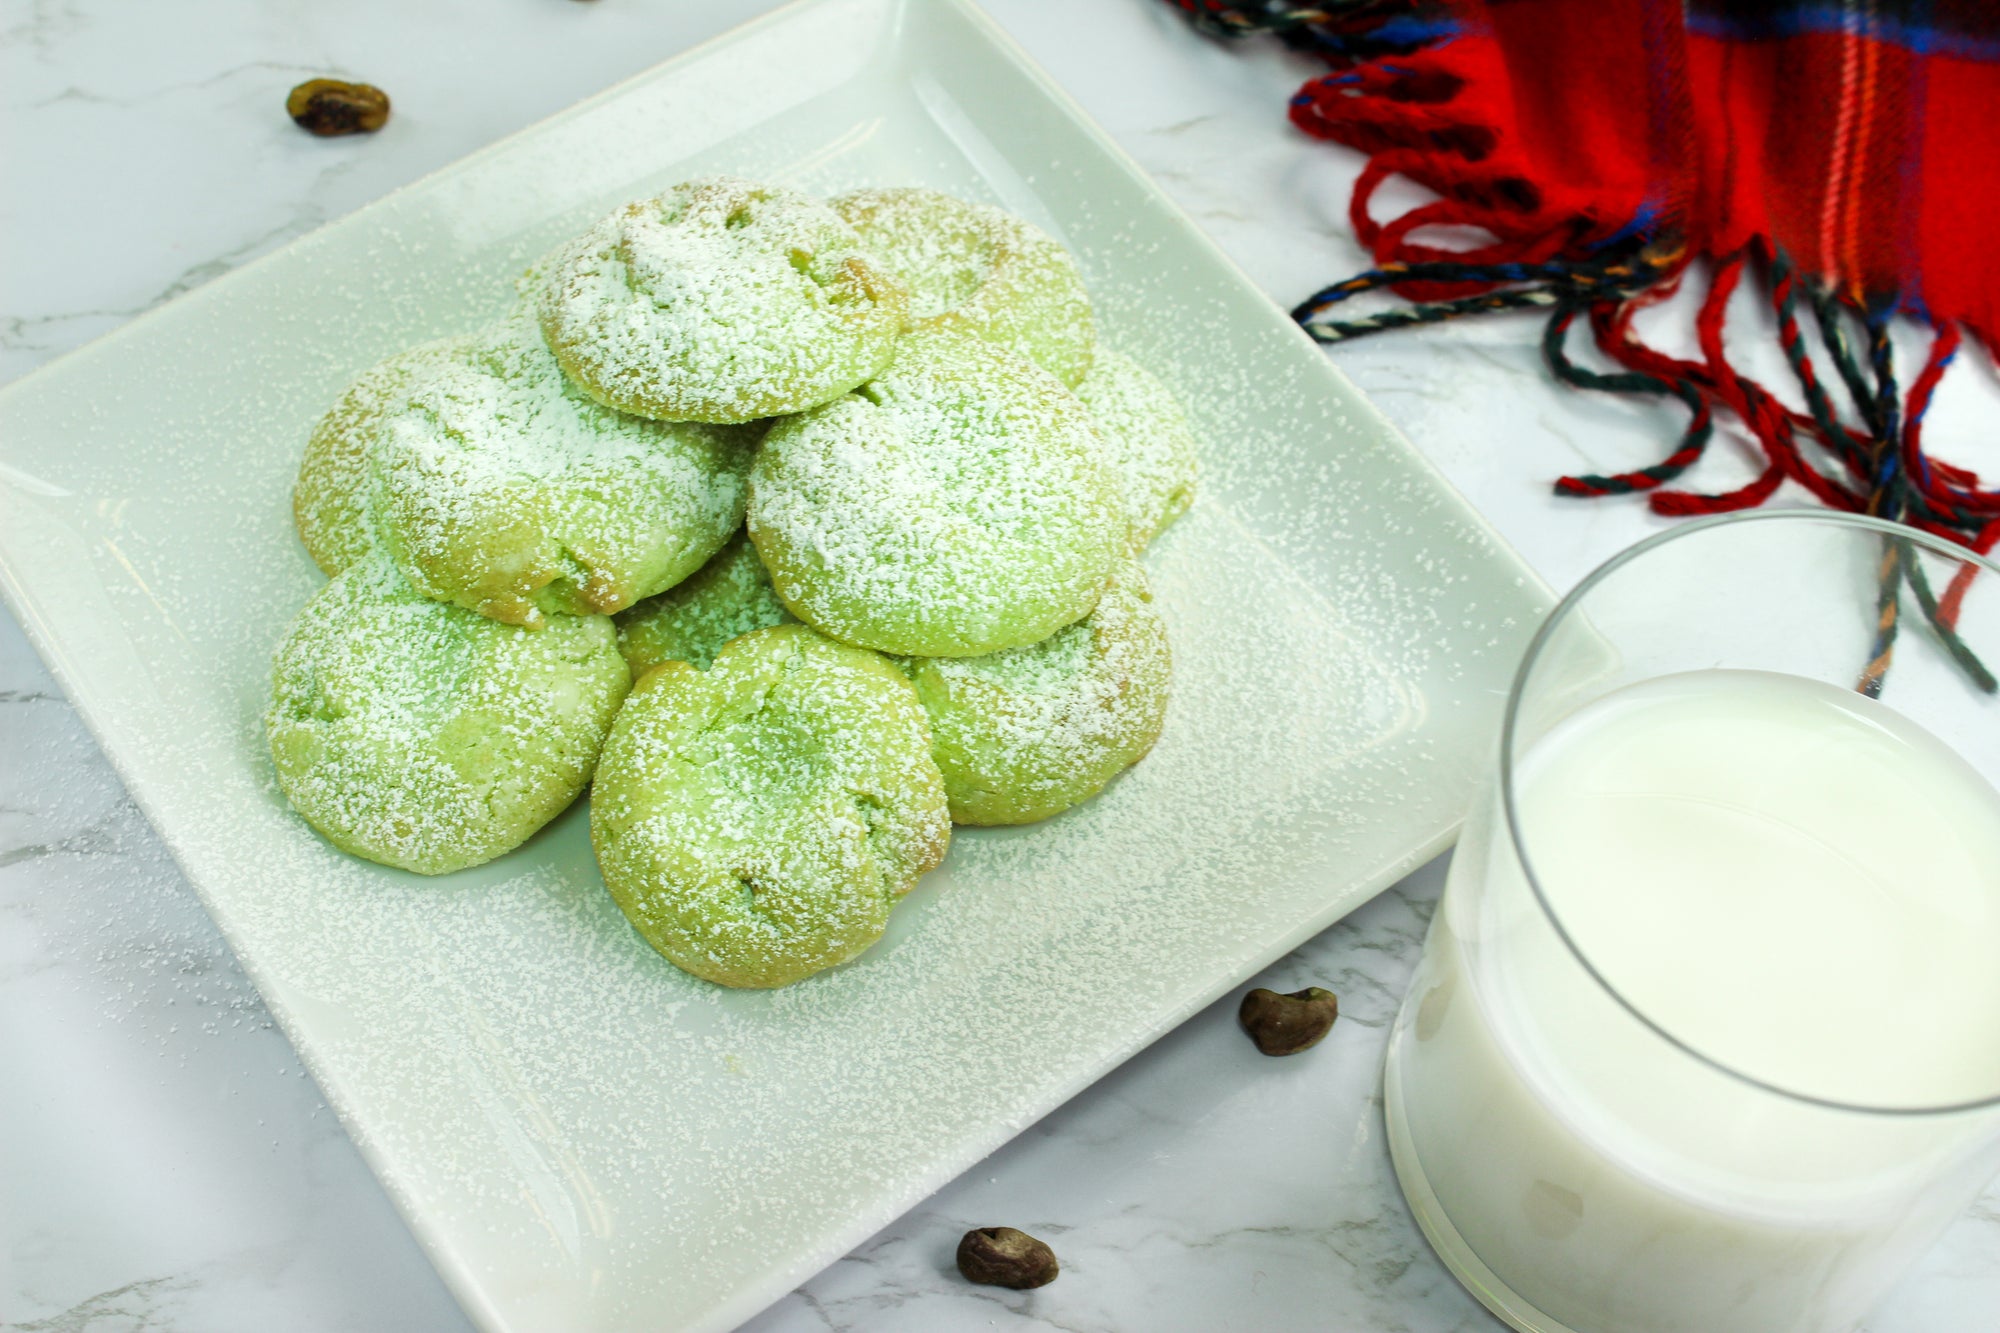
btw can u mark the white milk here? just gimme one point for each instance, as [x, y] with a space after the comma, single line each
[1788, 878]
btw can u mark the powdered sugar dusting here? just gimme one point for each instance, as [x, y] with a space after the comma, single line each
[333, 499]
[955, 505]
[502, 488]
[1147, 439]
[758, 821]
[976, 269]
[795, 1100]
[719, 300]
[690, 623]
[1026, 733]
[424, 736]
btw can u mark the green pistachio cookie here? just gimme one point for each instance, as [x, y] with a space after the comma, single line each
[690, 622]
[952, 506]
[981, 271]
[720, 301]
[1025, 734]
[498, 486]
[333, 504]
[757, 822]
[1147, 441]
[421, 735]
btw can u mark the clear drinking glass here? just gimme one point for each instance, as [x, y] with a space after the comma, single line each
[1706, 1036]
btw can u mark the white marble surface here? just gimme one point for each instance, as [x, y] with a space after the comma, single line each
[164, 1162]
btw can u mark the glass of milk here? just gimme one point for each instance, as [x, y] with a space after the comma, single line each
[1706, 1037]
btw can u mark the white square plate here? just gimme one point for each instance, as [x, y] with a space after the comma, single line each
[582, 1137]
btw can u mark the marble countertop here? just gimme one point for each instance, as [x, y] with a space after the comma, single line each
[165, 1164]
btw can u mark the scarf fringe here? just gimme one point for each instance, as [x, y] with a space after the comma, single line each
[1396, 95]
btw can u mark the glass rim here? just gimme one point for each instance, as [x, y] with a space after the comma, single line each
[1516, 691]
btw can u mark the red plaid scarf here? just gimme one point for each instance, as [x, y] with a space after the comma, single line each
[1839, 153]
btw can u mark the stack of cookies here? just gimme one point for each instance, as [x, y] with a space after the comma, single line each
[798, 530]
